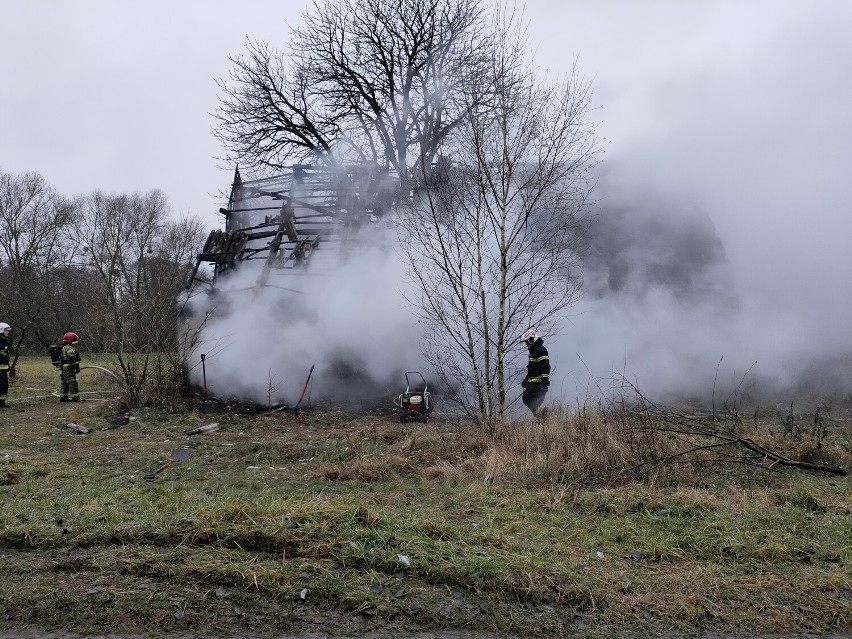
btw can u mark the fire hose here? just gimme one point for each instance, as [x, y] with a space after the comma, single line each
[105, 370]
[54, 394]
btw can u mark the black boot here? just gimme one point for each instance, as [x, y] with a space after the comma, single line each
[64, 399]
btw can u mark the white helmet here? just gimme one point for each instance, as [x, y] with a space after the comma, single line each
[4, 327]
[528, 335]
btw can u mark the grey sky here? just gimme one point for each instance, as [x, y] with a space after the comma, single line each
[742, 108]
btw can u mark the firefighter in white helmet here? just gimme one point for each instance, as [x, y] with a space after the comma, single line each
[5, 331]
[537, 379]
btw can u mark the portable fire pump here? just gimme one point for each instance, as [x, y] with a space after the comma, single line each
[415, 403]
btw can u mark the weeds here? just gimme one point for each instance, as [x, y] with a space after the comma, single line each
[278, 520]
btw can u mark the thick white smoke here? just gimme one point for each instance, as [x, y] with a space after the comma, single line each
[740, 112]
[724, 230]
[349, 320]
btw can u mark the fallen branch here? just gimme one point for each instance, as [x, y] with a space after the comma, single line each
[684, 426]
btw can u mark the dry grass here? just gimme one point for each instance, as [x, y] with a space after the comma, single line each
[611, 447]
[525, 534]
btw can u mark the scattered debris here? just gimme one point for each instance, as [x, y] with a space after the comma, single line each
[181, 454]
[209, 428]
[10, 478]
[404, 560]
[178, 455]
[74, 428]
[122, 419]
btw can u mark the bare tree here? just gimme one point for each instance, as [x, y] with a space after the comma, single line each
[36, 243]
[366, 80]
[493, 237]
[139, 260]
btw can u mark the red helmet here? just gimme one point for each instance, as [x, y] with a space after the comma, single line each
[69, 337]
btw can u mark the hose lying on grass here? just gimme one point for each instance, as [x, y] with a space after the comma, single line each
[106, 370]
[55, 394]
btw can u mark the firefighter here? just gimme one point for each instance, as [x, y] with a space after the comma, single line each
[5, 331]
[69, 366]
[537, 380]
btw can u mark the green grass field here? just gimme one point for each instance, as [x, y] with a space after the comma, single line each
[353, 523]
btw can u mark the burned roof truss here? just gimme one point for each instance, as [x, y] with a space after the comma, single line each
[285, 218]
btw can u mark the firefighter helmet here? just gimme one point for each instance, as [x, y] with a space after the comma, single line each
[528, 335]
[4, 327]
[69, 337]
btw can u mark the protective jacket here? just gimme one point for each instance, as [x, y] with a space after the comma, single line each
[538, 366]
[4, 369]
[69, 359]
[4, 353]
[69, 366]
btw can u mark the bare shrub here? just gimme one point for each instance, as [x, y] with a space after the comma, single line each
[137, 260]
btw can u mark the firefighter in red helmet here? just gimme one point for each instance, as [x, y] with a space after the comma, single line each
[69, 366]
[537, 379]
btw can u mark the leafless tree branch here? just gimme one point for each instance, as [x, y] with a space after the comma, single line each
[703, 435]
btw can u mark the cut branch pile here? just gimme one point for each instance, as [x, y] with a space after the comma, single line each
[701, 436]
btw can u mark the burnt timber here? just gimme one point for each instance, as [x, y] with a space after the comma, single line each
[283, 220]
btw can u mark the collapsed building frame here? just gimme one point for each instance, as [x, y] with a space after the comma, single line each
[283, 219]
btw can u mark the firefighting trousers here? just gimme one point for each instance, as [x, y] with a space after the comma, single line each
[533, 398]
[68, 386]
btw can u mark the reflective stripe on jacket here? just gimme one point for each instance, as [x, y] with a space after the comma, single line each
[538, 366]
[4, 353]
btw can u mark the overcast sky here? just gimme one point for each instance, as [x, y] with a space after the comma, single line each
[741, 108]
